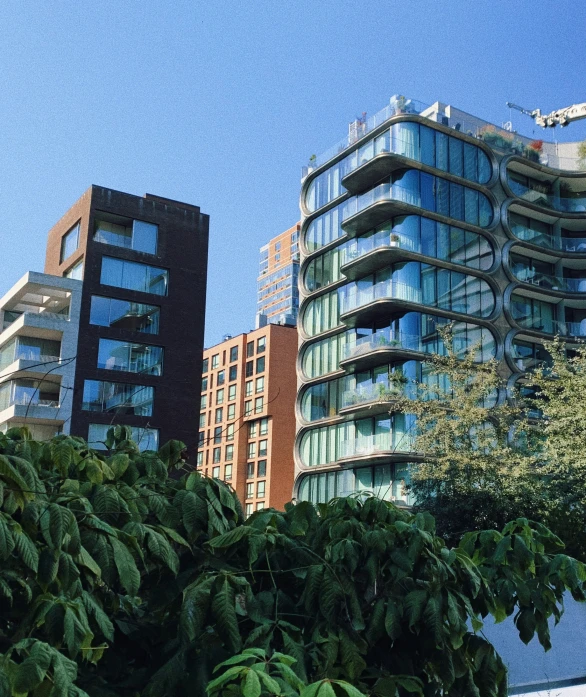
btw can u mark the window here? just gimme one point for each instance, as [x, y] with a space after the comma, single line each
[253, 429]
[260, 506]
[215, 361]
[221, 379]
[229, 453]
[124, 314]
[220, 396]
[218, 434]
[215, 472]
[217, 455]
[262, 448]
[231, 411]
[75, 271]
[201, 438]
[200, 459]
[248, 407]
[205, 365]
[261, 344]
[249, 369]
[277, 258]
[260, 384]
[145, 438]
[251, 450]
[277, 246]
[233, 354]
[260, 364]
[258, 405]
[250, 490]
[69, 243]
[264, 427]
[248, 509]
[250, 349]
[232, 373]
[260, 489]
[250, 470]
[129, 357]
[230, 432]
[134, 276]
[248, 388]
[219, 415]
[136, 234]
[203, 403]
[262, 468]
[202, 420]
[231, 393]
[204, 384]
[118, 397]
[228, 473]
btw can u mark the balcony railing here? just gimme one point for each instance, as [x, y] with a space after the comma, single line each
[542, 280]
[380, 240]
[574, 204]
[377, 443]
[377, 392]
[550, 326]
[28, 400]
[353, 299]
[542, 239]
[56, 316]
[382, 339]
[29, 356]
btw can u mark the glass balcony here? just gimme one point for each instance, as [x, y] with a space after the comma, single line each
[377, 443]
[564, 204]
[382, 239]
[11, 317]
[550, 326]
[548, 282]
[385, 290]
[382, 339]
[385, 391]
[541, 239]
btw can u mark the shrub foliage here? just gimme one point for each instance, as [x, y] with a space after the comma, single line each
[117, 579]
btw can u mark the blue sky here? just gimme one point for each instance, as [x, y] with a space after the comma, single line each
[220, 104]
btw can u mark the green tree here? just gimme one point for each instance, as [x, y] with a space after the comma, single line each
[119, 580]
[476, 466]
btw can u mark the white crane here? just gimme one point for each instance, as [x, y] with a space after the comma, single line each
[561, 117]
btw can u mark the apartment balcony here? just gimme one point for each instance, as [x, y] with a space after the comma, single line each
[29, 366]
[372, 350]
[357, 303]
[377, 205]
[541, 195]
[50, 325]
[373, 399]
[22, 409]
[362, 256]
[377, 447]
[572, 245]
[552, 327]
[548, 282]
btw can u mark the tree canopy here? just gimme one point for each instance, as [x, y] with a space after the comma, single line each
[123, 575]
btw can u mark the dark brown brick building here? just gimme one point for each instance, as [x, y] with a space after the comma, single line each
[143, 261]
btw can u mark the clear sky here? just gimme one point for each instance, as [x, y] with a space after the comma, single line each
[220, 103]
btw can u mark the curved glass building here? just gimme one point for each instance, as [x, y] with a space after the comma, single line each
[422, 216]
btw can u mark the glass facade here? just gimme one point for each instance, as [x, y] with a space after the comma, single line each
[118, 397]
[123, 314]
[134, 276]
[145, 438]
[130, 357]
[137, 235]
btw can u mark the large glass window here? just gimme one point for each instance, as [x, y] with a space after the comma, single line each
[28, 348]
[130, 357]
[321, 313]
[69, 243]
[533, 314]
[389, 482]
[119, 397]
[75, 271]
[134, 276]
[145, 438]
[25, 392]
[136, 234]
[123, 314]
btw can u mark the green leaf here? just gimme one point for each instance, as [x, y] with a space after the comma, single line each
[223, 608]
[6, 540]
[251, 686]
[126, 566]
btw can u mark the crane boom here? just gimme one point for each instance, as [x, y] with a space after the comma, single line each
[561, 117]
